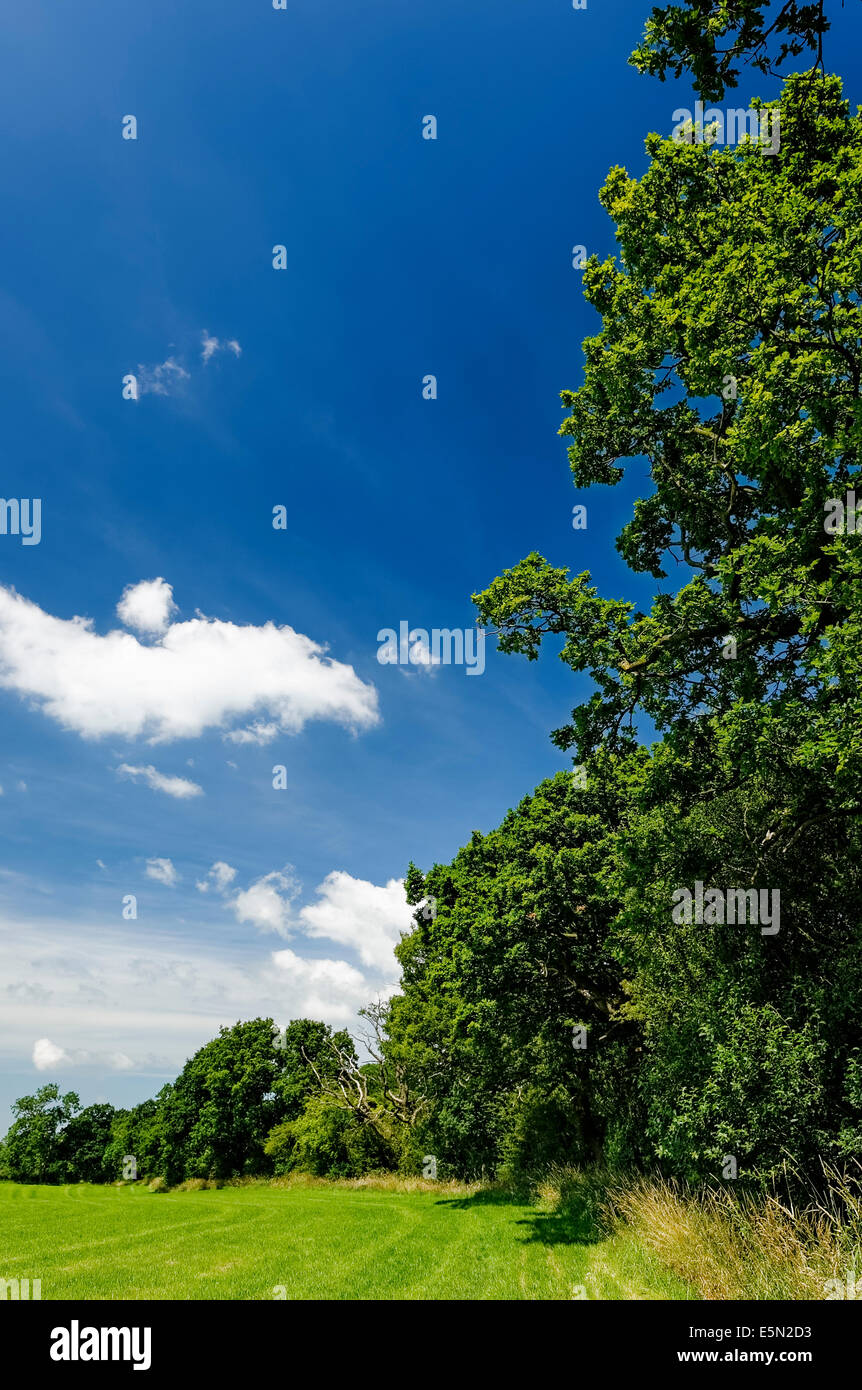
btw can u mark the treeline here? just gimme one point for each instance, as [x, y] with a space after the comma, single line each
[657, 959]
[256, 1100]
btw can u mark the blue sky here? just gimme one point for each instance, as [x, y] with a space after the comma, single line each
[299, 388]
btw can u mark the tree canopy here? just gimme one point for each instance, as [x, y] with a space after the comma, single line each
[712, 39]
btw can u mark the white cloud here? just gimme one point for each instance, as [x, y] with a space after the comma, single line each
[167, 378]
[323, 986]
[266, 904]
[47, 1054]
[163, 871]
[219, 876]
[147, 606]
[161, 380]
[361, 915]
[210, 346]
[258, 733]
[22, 786]
[201, 674]
[100, 864]
[109, 1000]
[179, 787]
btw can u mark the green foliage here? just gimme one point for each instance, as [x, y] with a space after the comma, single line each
[729, 358]
[33, 1150]
[213, 1122]
[214, 1118]
[135, 1134]
[515, 958]
[307, 1059]
[86, 1138]
[328, 1140]
[709, 38]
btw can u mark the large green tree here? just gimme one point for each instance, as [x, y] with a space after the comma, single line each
[729, 358]
[214, 1119]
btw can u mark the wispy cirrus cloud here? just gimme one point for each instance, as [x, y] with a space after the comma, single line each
[162, 379]
[210, 346]
[258, 733]
[169, 378]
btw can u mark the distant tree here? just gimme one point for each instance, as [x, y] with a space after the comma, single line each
[34, 1148]
[136, 1135]
[86, 1139]
[215, 1117]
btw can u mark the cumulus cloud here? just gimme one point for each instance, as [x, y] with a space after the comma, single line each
[368, 919]
[220, 876]
[361, 915]
[266, 904]
[323, 986]
[147, 606]
[179, 787]
[163, 871]
[210, 346]
[199, 675]
[47, 1054]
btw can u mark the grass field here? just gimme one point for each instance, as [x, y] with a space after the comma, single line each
[315, 1241]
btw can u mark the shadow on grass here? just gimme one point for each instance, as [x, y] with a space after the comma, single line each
[485, 1197]
[573, 1223]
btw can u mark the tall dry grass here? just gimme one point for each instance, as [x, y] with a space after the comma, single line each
[730, 1244]
[378, 1182]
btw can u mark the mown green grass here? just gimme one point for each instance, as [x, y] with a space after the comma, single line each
[313, 1242]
